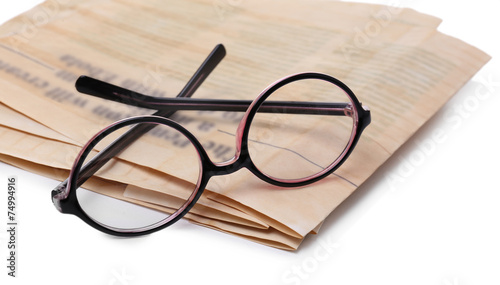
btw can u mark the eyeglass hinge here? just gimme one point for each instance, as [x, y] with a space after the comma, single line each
[57, 194]
[348, 111]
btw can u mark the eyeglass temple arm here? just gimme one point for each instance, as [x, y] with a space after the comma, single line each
[134, 133]
[101, 89]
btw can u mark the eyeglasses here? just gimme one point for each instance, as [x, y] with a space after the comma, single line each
[299, 130]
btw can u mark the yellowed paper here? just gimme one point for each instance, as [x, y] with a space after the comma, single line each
[393, 59]
[18, 121]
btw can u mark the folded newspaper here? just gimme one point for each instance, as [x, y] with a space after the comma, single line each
[394, 59]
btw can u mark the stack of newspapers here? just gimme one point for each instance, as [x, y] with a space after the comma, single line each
[394, 60]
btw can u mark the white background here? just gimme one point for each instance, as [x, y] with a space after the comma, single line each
[431, 215]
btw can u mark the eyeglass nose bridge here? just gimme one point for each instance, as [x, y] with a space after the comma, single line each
[228, 167]
[241, 158]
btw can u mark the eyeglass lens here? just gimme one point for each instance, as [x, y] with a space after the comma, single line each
[291, 146]
[151, 189]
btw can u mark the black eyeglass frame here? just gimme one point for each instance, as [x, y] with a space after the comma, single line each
[65, 198]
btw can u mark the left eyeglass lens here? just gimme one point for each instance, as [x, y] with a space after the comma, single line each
[143, 185]
[290, 145]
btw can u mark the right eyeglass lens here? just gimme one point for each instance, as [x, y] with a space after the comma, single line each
[143, 185]
[291, 146]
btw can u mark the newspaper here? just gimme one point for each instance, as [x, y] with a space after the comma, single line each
[394, 59]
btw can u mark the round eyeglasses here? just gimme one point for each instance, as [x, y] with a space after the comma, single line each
[299, 130]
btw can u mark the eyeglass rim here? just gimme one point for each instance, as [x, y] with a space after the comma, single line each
[360, 115]
[70, 204]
